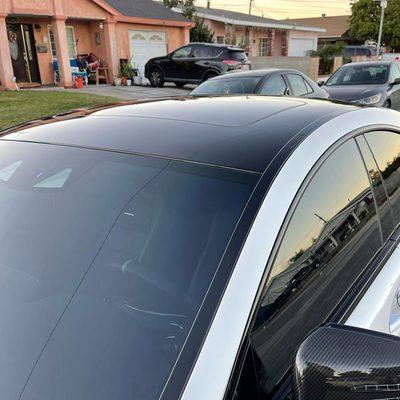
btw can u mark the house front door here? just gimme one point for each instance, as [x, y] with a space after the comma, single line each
[23, 53]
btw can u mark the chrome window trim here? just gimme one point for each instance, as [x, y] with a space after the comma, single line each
[211, 374]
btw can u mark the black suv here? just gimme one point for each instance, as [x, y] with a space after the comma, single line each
[195, 63]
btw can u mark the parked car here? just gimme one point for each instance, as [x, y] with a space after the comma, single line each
[148, 248]
[375, 84]
[271, 82]
[195, 63]
[391, 57]
[363, 50]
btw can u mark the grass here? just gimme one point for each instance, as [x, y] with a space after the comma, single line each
[17, 107]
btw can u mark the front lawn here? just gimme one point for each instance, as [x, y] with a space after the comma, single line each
[17, 107]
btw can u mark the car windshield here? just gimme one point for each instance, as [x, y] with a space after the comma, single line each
[105, 260]
[359, 75]
[233, 85]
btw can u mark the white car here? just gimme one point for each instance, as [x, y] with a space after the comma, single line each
[236, 248]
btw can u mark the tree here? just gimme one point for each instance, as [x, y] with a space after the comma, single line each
[365, 20]
[201, 32]
[186, 5]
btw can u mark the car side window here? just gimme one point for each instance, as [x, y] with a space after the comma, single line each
[274, 86]
[297, 84]
[381, 199]
[330, 238]
[394, 72]
[183, 52]
[202, 52]
[385, 147]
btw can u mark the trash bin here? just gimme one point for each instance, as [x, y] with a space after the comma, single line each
[79, 82]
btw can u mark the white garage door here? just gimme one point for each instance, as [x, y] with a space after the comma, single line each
[145, 45]
[300, 47]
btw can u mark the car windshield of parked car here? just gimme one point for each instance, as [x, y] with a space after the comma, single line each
[234, 85]
[105, 260]
[360, 75]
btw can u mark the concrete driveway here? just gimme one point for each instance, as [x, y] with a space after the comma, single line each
[136, 92]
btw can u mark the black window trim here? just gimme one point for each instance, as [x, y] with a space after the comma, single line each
[354, 293]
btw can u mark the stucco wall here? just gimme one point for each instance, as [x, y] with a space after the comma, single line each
[176, 36]
[83, 9]
[303, 64]
[78, 8]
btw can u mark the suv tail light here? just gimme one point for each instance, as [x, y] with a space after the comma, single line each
[231, 62]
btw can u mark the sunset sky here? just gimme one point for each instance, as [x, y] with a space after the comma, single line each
[281, 9]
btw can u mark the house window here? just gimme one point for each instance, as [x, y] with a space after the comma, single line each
[220, 39]
[70, 42]
[263, 47]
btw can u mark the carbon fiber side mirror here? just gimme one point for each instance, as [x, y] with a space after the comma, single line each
[343, 363]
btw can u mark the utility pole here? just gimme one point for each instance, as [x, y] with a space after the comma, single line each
[383, 7]
[250, 4]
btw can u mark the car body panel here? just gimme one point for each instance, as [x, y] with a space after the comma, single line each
[234, 136]
[220, 350]
[193, 69]
[389, 91]
[265, 75]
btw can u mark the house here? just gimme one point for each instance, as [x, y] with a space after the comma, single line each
[336, 28]
[260, 36]
[34, 33]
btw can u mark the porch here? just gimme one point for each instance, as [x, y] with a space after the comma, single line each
[31, 48]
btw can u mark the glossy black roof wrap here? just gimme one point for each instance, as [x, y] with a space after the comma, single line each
[241, 132]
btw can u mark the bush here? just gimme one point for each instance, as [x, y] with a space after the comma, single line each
[327, 53]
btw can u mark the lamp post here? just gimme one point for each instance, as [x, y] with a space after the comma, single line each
[383, 7]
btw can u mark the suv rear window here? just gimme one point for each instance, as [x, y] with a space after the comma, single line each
[237, 55]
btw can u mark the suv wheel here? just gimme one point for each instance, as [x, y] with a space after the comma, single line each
[209, 75]
[156, 77]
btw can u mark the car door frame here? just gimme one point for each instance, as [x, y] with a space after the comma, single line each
[220, 352]
[175, 68]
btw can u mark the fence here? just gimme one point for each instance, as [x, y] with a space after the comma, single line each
[307, 65]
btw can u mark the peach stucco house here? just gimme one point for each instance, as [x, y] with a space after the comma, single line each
[260, 36]
[34, 33]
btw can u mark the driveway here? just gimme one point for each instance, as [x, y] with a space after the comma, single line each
[136, 92]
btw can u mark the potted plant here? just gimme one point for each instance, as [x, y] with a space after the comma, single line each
[117, 80]
[126, 74]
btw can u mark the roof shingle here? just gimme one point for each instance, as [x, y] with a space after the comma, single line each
[336, 26]
[146, 9]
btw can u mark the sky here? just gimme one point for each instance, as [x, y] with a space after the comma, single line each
[281, 9]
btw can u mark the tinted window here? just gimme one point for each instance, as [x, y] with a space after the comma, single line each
[236, 55]
[184, 52]
[202, 51]
[245, 85]
[105, 259]
[274, 86]
[386, 148]
[385, 212]
[330, 238]
[359, 75]
[298, 85]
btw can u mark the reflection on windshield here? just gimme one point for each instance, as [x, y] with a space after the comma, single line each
[105, 259]
[360, 75]
[244, 85]
[330, 239]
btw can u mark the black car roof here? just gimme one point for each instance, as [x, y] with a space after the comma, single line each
[240, 132]
[256, 73]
